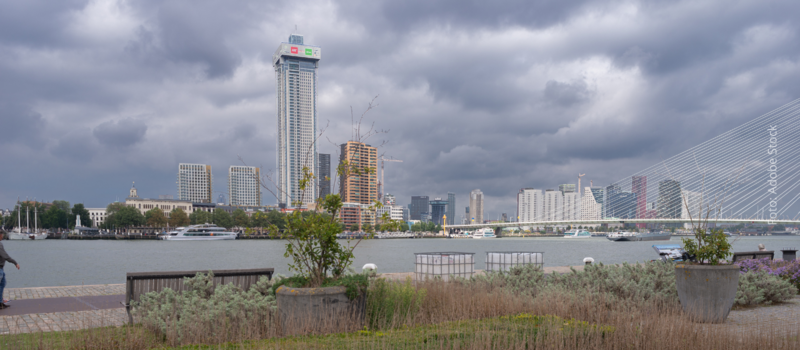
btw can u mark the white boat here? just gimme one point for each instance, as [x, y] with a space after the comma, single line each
[204, 232]
[484, 233]
[625, 236]
[577, 233]
[27, 235]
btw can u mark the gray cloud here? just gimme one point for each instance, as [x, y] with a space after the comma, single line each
[20, 125]
[120, 133]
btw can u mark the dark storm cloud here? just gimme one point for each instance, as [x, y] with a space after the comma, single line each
[120, 133]
[491, 95]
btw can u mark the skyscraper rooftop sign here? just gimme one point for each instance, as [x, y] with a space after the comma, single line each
[294, 50]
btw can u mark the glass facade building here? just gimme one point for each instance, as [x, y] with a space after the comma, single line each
[296, 75]
[419, 205]
[324, 174]
[451, 208]
[438, 210]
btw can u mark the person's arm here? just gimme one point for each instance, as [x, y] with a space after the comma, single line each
[4, 256]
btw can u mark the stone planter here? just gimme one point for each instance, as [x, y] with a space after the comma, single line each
[319, 310]
[707, 292]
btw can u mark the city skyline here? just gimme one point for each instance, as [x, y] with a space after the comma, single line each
[108, 93]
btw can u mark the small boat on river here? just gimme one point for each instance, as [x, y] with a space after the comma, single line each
[483, 233]
[625, 236]
[204, 232]
[577, 233]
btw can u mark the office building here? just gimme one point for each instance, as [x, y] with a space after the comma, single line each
[591, 207]
[639, 187]
[467, 217]
[195, 183]
[359, 187]
[438, 210]
[476, 206]
[608, 196]
[553, 205]
[669, 199]
[324, 174]
[244, 186]
[419, 205]
[296, 76]
[451, 208]
[530, 205]
[623, 205]
[566, 188]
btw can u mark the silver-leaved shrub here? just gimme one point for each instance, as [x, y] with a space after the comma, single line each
[761, 287]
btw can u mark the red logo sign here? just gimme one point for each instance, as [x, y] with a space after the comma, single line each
[294, 50]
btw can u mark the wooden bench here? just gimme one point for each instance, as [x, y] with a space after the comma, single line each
[140, 283]
[738, 256]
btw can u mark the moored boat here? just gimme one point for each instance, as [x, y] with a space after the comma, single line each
[639, 236]
[577, 233]
[483, 233]
[203, 232]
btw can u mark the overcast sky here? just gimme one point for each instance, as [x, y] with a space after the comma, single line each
[475, 94]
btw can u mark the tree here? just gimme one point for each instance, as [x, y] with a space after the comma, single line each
[377, 227]
[277, 218]
[155, 218]
[259, 219]
[200, 217]
[79, 210]
[63, 205]
[354, 228]
[222, 218]
[54, 217]
[240, 218]
[125, 217]
[178, 218]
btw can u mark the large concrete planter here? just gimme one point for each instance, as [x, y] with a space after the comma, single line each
[319, 310]
[707, 292]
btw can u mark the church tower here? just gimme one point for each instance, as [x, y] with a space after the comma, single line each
[133, 191]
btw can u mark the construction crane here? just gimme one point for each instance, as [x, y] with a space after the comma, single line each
[381, 184]
[579, 183]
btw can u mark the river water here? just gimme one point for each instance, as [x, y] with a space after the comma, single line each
[72, 262]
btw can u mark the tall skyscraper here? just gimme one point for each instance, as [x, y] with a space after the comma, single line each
[572, 206]
[530, 204]
[363, 187]
[194, 182]
[324, 174]
[609, 196]
[244, 185]
[553, 205]
[438, 210]
[296, 74]
[639, 186]
[419, 205]
[476, 206]
[451, 208]
[669, 199]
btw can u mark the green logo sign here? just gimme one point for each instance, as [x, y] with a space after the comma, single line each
[308, 52]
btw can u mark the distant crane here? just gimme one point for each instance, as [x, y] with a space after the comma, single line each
[579, 183]
[382, 184]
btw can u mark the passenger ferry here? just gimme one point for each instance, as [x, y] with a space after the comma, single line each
[577, 233]
[204, 232]
[482, 233]
[625, 236]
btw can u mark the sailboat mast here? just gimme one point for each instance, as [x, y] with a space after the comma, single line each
[35, 218]
[28, 218]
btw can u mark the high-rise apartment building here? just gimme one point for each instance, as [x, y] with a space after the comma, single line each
[476, 206]
[324, 174]
[669, 199]
[530, 205]
[572, 206]
[194, 182]
[296, 74]
[451, 208]
[566, 188]
[639, 187]
[419, 205]
[361, 187]
[553, 205]
[591, 208]
[438, 210]
[244, 185]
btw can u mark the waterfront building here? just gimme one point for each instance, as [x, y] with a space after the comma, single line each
[195, 182]
[609, 195]
[553, 205]
[395, 212]
[669, 199]
[295, 65]
[591, 208]
[438, 210]
[98, 216]
[361, 188]
[623, 205]
[451, 208]
[144, 204]
[244, 186]
[406, 215]
[530, 205]
[639, 187]
[419, 205]
[572, 206]
[476, 206]
[466, 216]
[324, 174]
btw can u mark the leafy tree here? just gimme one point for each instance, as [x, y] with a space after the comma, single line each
[124, 217]
[377, 227]
[63, 205]
[178, 218]
[277, 218]
[155, 217]
[437, 228]
[79, 210]
[259, 219]
[354, 228]
[200, 217]
[222, 218]
[54, 217]
[240, 218]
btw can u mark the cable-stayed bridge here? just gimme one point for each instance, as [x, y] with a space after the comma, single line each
[750, 174]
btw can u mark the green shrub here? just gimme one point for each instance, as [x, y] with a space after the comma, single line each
[760, 287]
[391, 303]
[203, 312]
